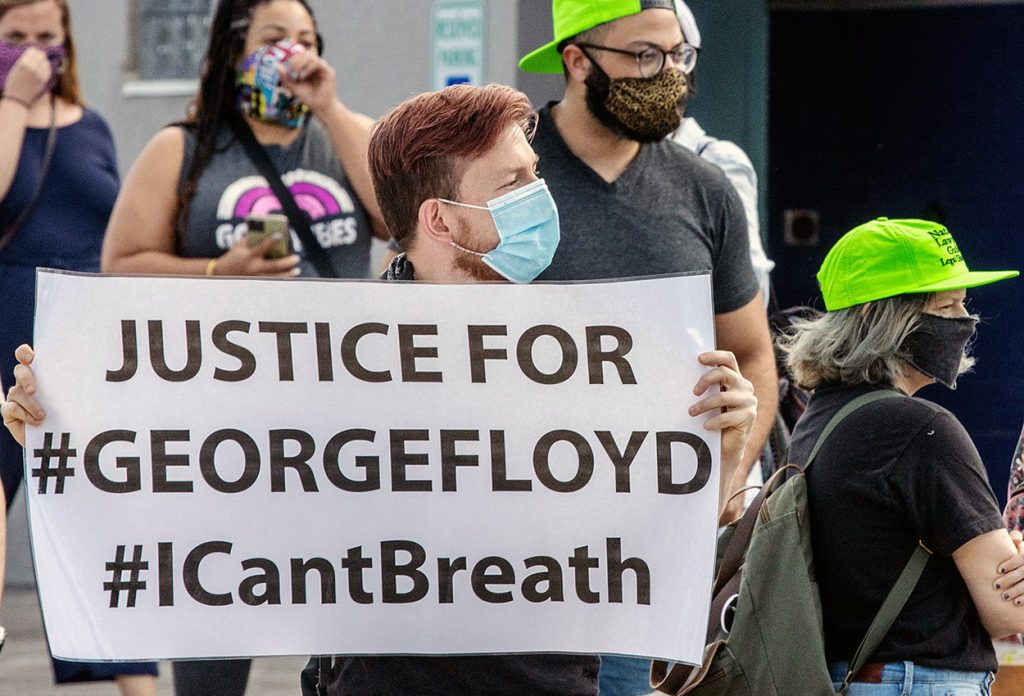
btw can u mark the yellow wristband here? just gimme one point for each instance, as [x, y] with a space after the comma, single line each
[210, 266]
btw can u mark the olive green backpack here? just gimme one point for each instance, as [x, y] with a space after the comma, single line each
[765, 635]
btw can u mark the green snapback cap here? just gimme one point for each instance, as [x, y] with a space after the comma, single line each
[572, 17]
[884, 258]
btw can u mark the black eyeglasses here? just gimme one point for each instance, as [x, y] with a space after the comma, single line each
[651, 60]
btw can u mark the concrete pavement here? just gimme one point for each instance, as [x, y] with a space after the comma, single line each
[25, 663]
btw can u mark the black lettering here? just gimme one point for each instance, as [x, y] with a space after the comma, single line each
[369, 463]
[621, 461]
[269, 580]
[328, 581]
[208, 461]
[582, 562]
[617, 566]
[410, 352]
[158, 440]
[165, 565]
[551, 576]
[585, 461]
[284, 330]
[391, 570]
[132, 477]
[193, 352]
[400, 460]
[190, 574]
[324, 363]
[280, 462]
[130, 351]
[700, 477]
[355, 563]
[450, 460]
[570, 356]
[597, 356]
[246, 360]
[481, 578]
[446, 569]
[350, 357]
[478, 355]
[499, 467]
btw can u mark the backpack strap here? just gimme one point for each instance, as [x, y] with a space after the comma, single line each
[887, 615]
[841, 415]
[728, 579]
[732, 559]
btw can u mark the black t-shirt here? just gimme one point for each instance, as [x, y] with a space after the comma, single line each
[669, 212]
[485, 675]
[896, 472]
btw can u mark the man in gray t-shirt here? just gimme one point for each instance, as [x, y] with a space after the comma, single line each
[631, 203]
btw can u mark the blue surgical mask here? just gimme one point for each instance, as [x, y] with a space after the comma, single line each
[527, 223]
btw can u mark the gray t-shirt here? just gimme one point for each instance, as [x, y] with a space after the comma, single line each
[669, 212]
[231, 188]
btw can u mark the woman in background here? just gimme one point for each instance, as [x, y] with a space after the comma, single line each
[184, 204]
[58, 183]
[901, 473]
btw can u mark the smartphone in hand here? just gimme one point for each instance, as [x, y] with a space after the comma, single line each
[262, 226]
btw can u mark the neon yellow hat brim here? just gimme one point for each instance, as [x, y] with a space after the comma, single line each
[573, 17]
[885, 258]
[971, 279]
[545, 59]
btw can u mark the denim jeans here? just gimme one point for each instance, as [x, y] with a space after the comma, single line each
[908, 679]
[624, 676]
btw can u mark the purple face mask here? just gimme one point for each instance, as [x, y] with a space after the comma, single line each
[9, 55]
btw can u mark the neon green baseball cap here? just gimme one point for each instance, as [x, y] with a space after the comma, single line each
[885, 258]
[572, 17]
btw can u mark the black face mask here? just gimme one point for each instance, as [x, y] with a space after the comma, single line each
[642, 109]
[937, 345]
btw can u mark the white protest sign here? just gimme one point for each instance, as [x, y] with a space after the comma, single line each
[234, 467]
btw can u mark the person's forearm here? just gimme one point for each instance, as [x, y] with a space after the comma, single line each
[156, 262]
[13, 117]
[350, 136]
[759, 369]
[726, 484]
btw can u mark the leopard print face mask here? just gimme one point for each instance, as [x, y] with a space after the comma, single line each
[643, 109]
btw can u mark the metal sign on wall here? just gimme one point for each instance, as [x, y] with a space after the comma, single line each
[458, 40]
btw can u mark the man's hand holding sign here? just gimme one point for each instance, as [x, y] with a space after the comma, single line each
[400, 468]
[190, 467]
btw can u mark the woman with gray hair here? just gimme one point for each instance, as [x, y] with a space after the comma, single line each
[901, 472]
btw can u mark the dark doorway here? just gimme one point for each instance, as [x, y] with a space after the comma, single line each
[911, 112]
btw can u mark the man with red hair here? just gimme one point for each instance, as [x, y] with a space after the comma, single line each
[448, 168]
[456, 179]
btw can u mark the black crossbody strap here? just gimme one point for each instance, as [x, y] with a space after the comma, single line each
[44, 169]
[296, 216]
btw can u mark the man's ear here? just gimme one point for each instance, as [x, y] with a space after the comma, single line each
[577, 64]
[432, 222]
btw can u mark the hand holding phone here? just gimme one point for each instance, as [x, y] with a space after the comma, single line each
[262, 226]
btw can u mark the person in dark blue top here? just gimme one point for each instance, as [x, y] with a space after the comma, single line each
[53, 212]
